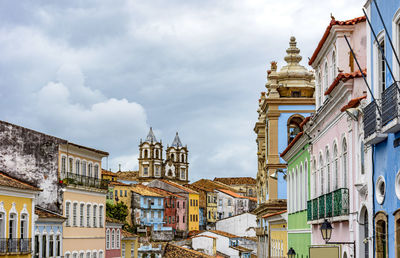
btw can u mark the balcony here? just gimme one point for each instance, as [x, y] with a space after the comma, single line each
[87, 181]
[333, 204]
[372, 124]
[15, 245]
[390, 110]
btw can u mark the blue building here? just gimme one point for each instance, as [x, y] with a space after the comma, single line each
[48, 233]
[382, 124]
[202, 218]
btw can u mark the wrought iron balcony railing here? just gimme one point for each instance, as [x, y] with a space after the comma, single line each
[390, 100]
[74, 179]
[15, 245]
[332, 204]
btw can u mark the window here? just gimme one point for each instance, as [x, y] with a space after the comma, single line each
[397, 233]
[101, 210]
[157, 171]
[12, 226]
[108, 239]
[116, 194]
[117, 239]
[113, 239]
[381, 248]
[2, 225]
[37, 250]
[183, 175]
[81, 255]
[220, 202]
[51, 246]
[88, 215]
[123, 250]
[44, 243]
[126, 193]
[159, 201]
[63, 164]
[191, 202]
[96, 171]
[81, 211]
[229, 202]
[71, 165]
[74, 214]
[381, 67]
[90, 170]
[67, 213]
[120, 193]
[326, 72]
[24, 226]
[333, 68]
[344, 163]
[293, 127]
[58, 245]
[380, 190]
[184, 204]
[94, 216]
[83, 168]
[145, 171]
[132, 250]
[306, 184]
[88, 255]
[94, 254]
[335, 167]
[362, 159]
[315, 177]
[328, 173]
[319, 81]
[321, 174]
[77, 167]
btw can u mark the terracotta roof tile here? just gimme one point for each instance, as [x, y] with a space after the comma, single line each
[108, 173]
[179, 186]
[144, 191]
[164, 192]
[273, 214]
[126, 234]
[344, 77]
[175, 251]
[6, 180]
[328, 30]
[223, 233]
[353, 103]
[241, 248]
[116, 183]
[128, 174]
[236, 180]
[43, 213]
[233, 194]
[212, 185]
[291, 144]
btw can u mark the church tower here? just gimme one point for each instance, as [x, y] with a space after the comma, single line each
[176, 165]
[150, 157]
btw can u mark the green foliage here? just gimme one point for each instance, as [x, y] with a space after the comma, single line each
[117, 211]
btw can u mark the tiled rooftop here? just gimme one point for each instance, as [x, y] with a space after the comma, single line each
[164, 192]
[353, 103]
[236, 180]
[144, 191]
[344, 77]
[43, 213]
[212, 185]
[175, 251]
[223, 233]
[6, 180]
[179, 186]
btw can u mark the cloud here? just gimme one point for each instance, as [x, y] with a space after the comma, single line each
[99, 73]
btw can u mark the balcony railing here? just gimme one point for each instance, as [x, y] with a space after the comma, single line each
[390, 104]
[332, 204]
[370, 116]
[74, 179]
[15, 245]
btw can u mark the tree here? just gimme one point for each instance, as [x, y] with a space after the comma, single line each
[117, 211]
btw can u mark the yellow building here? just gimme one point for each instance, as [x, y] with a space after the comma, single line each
[130, 245]
[17, 202]
[193, 211]
[122, 193]
[84, 200]
[277, 230]
[211, 207]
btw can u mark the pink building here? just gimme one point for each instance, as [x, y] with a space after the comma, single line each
[113, 238]
[181, 213]
[338, 178]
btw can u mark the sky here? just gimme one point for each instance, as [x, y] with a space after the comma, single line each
[100, 73]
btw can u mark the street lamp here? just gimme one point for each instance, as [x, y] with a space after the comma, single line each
[291, 253]
[326, 230]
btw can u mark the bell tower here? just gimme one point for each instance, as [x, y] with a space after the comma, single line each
[150, 157]
[176, 164]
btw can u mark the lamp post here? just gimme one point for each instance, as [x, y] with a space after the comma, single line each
[326, 232]
[291, 253]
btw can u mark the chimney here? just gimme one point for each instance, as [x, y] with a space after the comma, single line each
[119, 168]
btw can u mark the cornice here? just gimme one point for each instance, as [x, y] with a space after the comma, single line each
[296, 148]
[290, 101]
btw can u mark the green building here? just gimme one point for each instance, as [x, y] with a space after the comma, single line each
[297, 157]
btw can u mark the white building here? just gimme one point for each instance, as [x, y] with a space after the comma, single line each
[205, 244]
[240, 225]
[230, 203]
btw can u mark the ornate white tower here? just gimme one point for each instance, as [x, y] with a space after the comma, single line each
[176, 164]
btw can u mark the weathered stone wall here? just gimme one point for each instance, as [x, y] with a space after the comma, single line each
[162, 235]
[32, 157]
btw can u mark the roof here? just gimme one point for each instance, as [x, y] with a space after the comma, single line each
[90, 149]
[202, 194]
[344, 77]
[177, 142]
[144, 191]
[150, 136]
[204, 236]
[47, 214]
[116, 183]
[353, 103]
[241, 248]
[274, 214]
[127, 174]
[236, 180]
[127, 234]
[112, 220]
[164, 192]
[328, 30]
[291, 144]
[6, 180]
[223, 233]
[305, 121]
[233, 194]
[179, 186]
[211, 185]
[175, 251]
[108, 173]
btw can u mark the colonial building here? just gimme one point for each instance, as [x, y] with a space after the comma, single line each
[382, 126]
[338, 180]
[230, 203]
[288, 100]
[113, 237]
[152, 165]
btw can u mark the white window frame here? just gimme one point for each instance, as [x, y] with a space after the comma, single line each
[101, 217]
[108, 239]
[68, 213]
[82, 214]
[117, 238]
[345, 163]
[75, 214]
[396, 43]
[376, 70]
[94, 215]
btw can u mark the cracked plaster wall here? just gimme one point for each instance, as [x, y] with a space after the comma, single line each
[32, 157]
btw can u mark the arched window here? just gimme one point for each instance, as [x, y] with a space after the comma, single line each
[117, 239]
[2, 225]
[326, 72]
[24, 226]
[95, 216]
[77, 166]
[96, 171]
[365, 235]
[301, 188]
[296, 197]
[305, 183]
[172, 157]
[12, 226]
[344, 163]
[335, 167]
[146, 153]
[74, 214]
[108, 238]
[321, 174]
[113, 239]
[71, 165]
[289, 186]
[334, 69]
[68, 213]
[88, 206]
[101, 210]
[293, 127]
[90, 170]
[63, 164]
[362, 159]
[81, 214]
[315, 177]
[87, 254]
[83, 168]
[381, 248]
[328, 172]
[320, 89]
